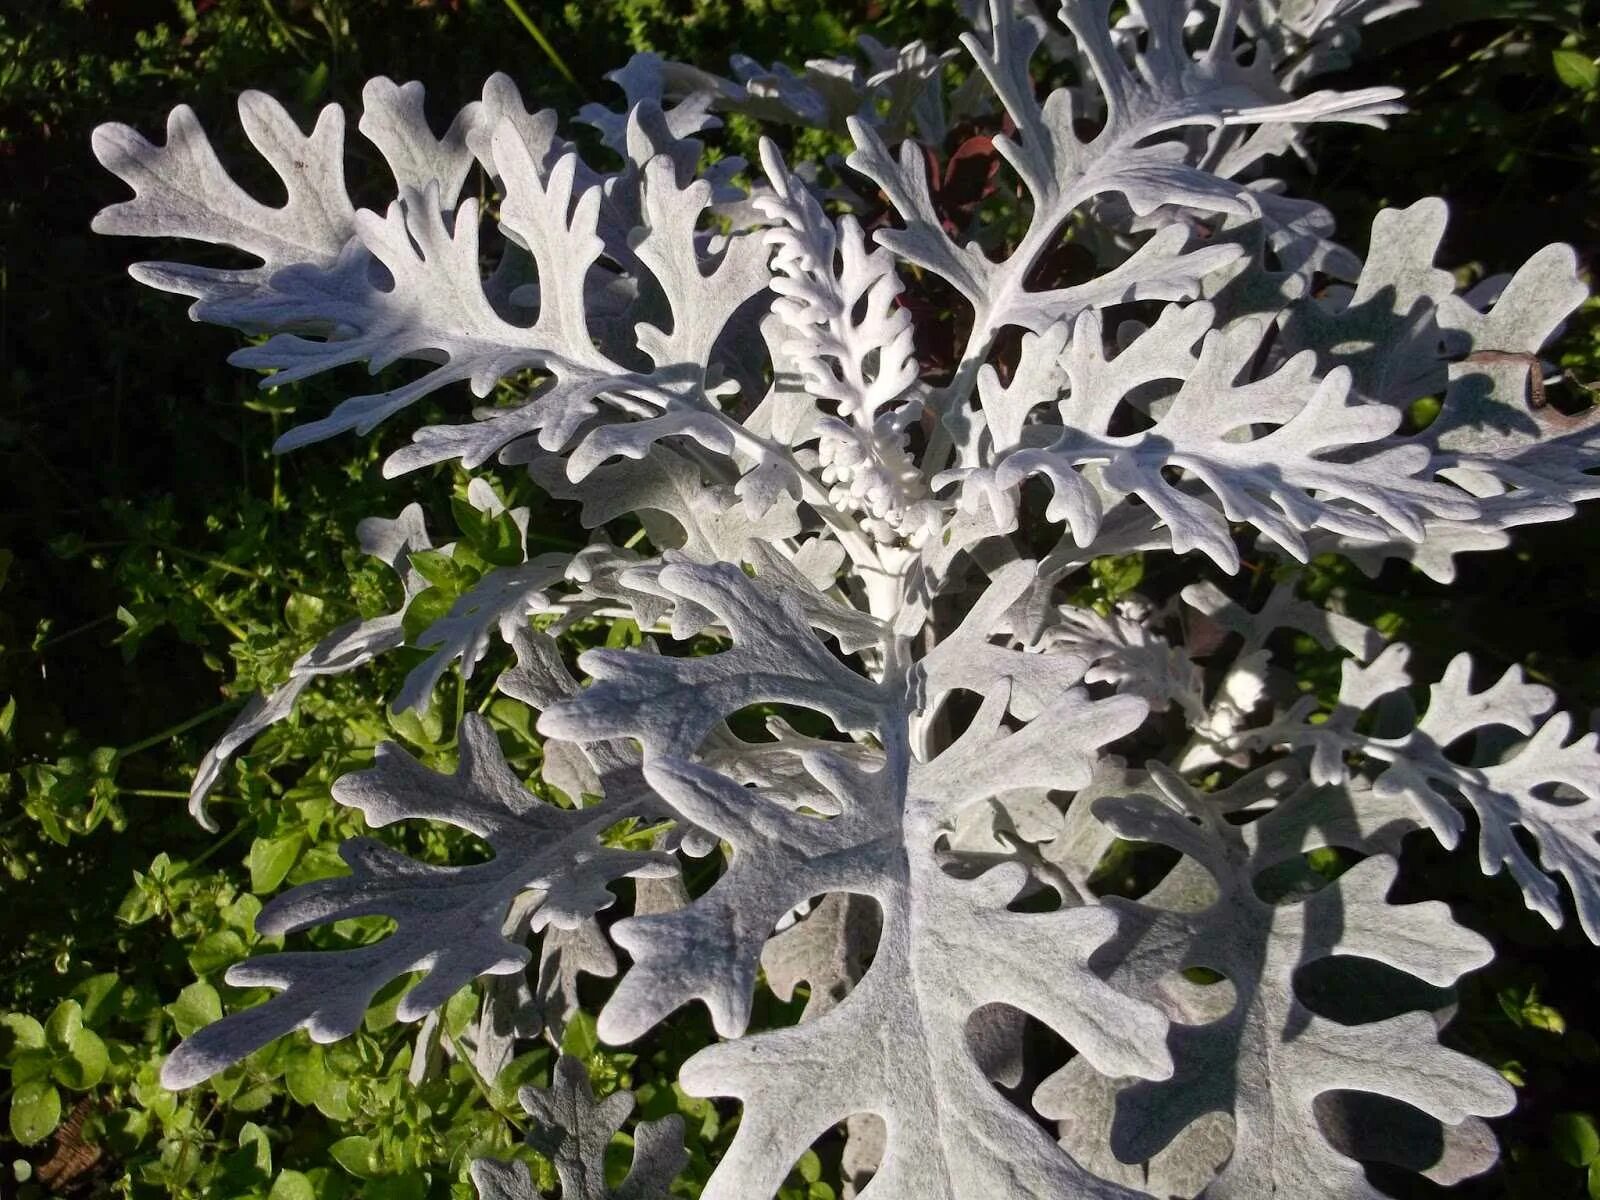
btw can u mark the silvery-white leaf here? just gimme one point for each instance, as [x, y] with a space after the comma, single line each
[182, 190]
[340, 286]
[1168, 91]
[1283, 609]
[819, 308]
[1405, 333]
[710, 950]
[826, 950]
[393, 120]
[347, 647]
[448, 920]
[1434, 556]
[647, 78]
[1316, 35]
[1133, 658]
[508, 1010]
[1084, 1104]
[1268, 1057]
[564, 954]
[1295, 477]
[1525, 461]
[703, 524]
[501, 601]
[1547, 785]
[865, 1138]
[1386, 332]
[573, 1130]
[846, 526]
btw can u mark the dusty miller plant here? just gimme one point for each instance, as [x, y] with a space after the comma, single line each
[845, 523]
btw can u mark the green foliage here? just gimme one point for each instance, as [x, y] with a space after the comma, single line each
[134, 622]
[147, 542]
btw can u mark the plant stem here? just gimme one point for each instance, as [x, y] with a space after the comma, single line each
[156, 739]
[220, 565]
[219, 616]
[215, 846]
[556, 61]
[483, 1087]
[61, 637]
[171, 794]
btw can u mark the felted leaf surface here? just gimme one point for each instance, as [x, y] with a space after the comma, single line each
[1295, 477]
[573, 1130]
[1165, 90]
[1405, 333]
[340, 286]
[501, 601]
[346, 648]
[1268, 1057]
[448, 920]
[881, 844]
[775, 388]
[182, 190]
[1543, 780]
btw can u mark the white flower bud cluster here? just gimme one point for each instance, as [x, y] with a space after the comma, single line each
[869, 474]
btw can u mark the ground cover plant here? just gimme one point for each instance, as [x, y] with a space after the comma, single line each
[919, 486]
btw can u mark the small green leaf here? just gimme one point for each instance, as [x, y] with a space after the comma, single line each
[241, 915]
[304, 613]
[216, 951]
[382, 1013]
[438, 569]
[29, 1066]
[273, 858]
[333, 1101]
[358, 1155]
[1116, 575]
[1542, 1016]
[809, 1167]
[85, 1062]
[1423, 410]
[19, 1031]
[197, 1006]
[311, 1082]
[581, 1038]
[64, 1024]
[307, 1074]
[292, 1185]
[99, 995]
[624, 632]
[1576, 1138]
[459, 1011]
[35, 1112]
[1577, 70]
[423, 730]
[429, 605]
[497, 540]
[320, 862]
[251, 1163]
[137, 907]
